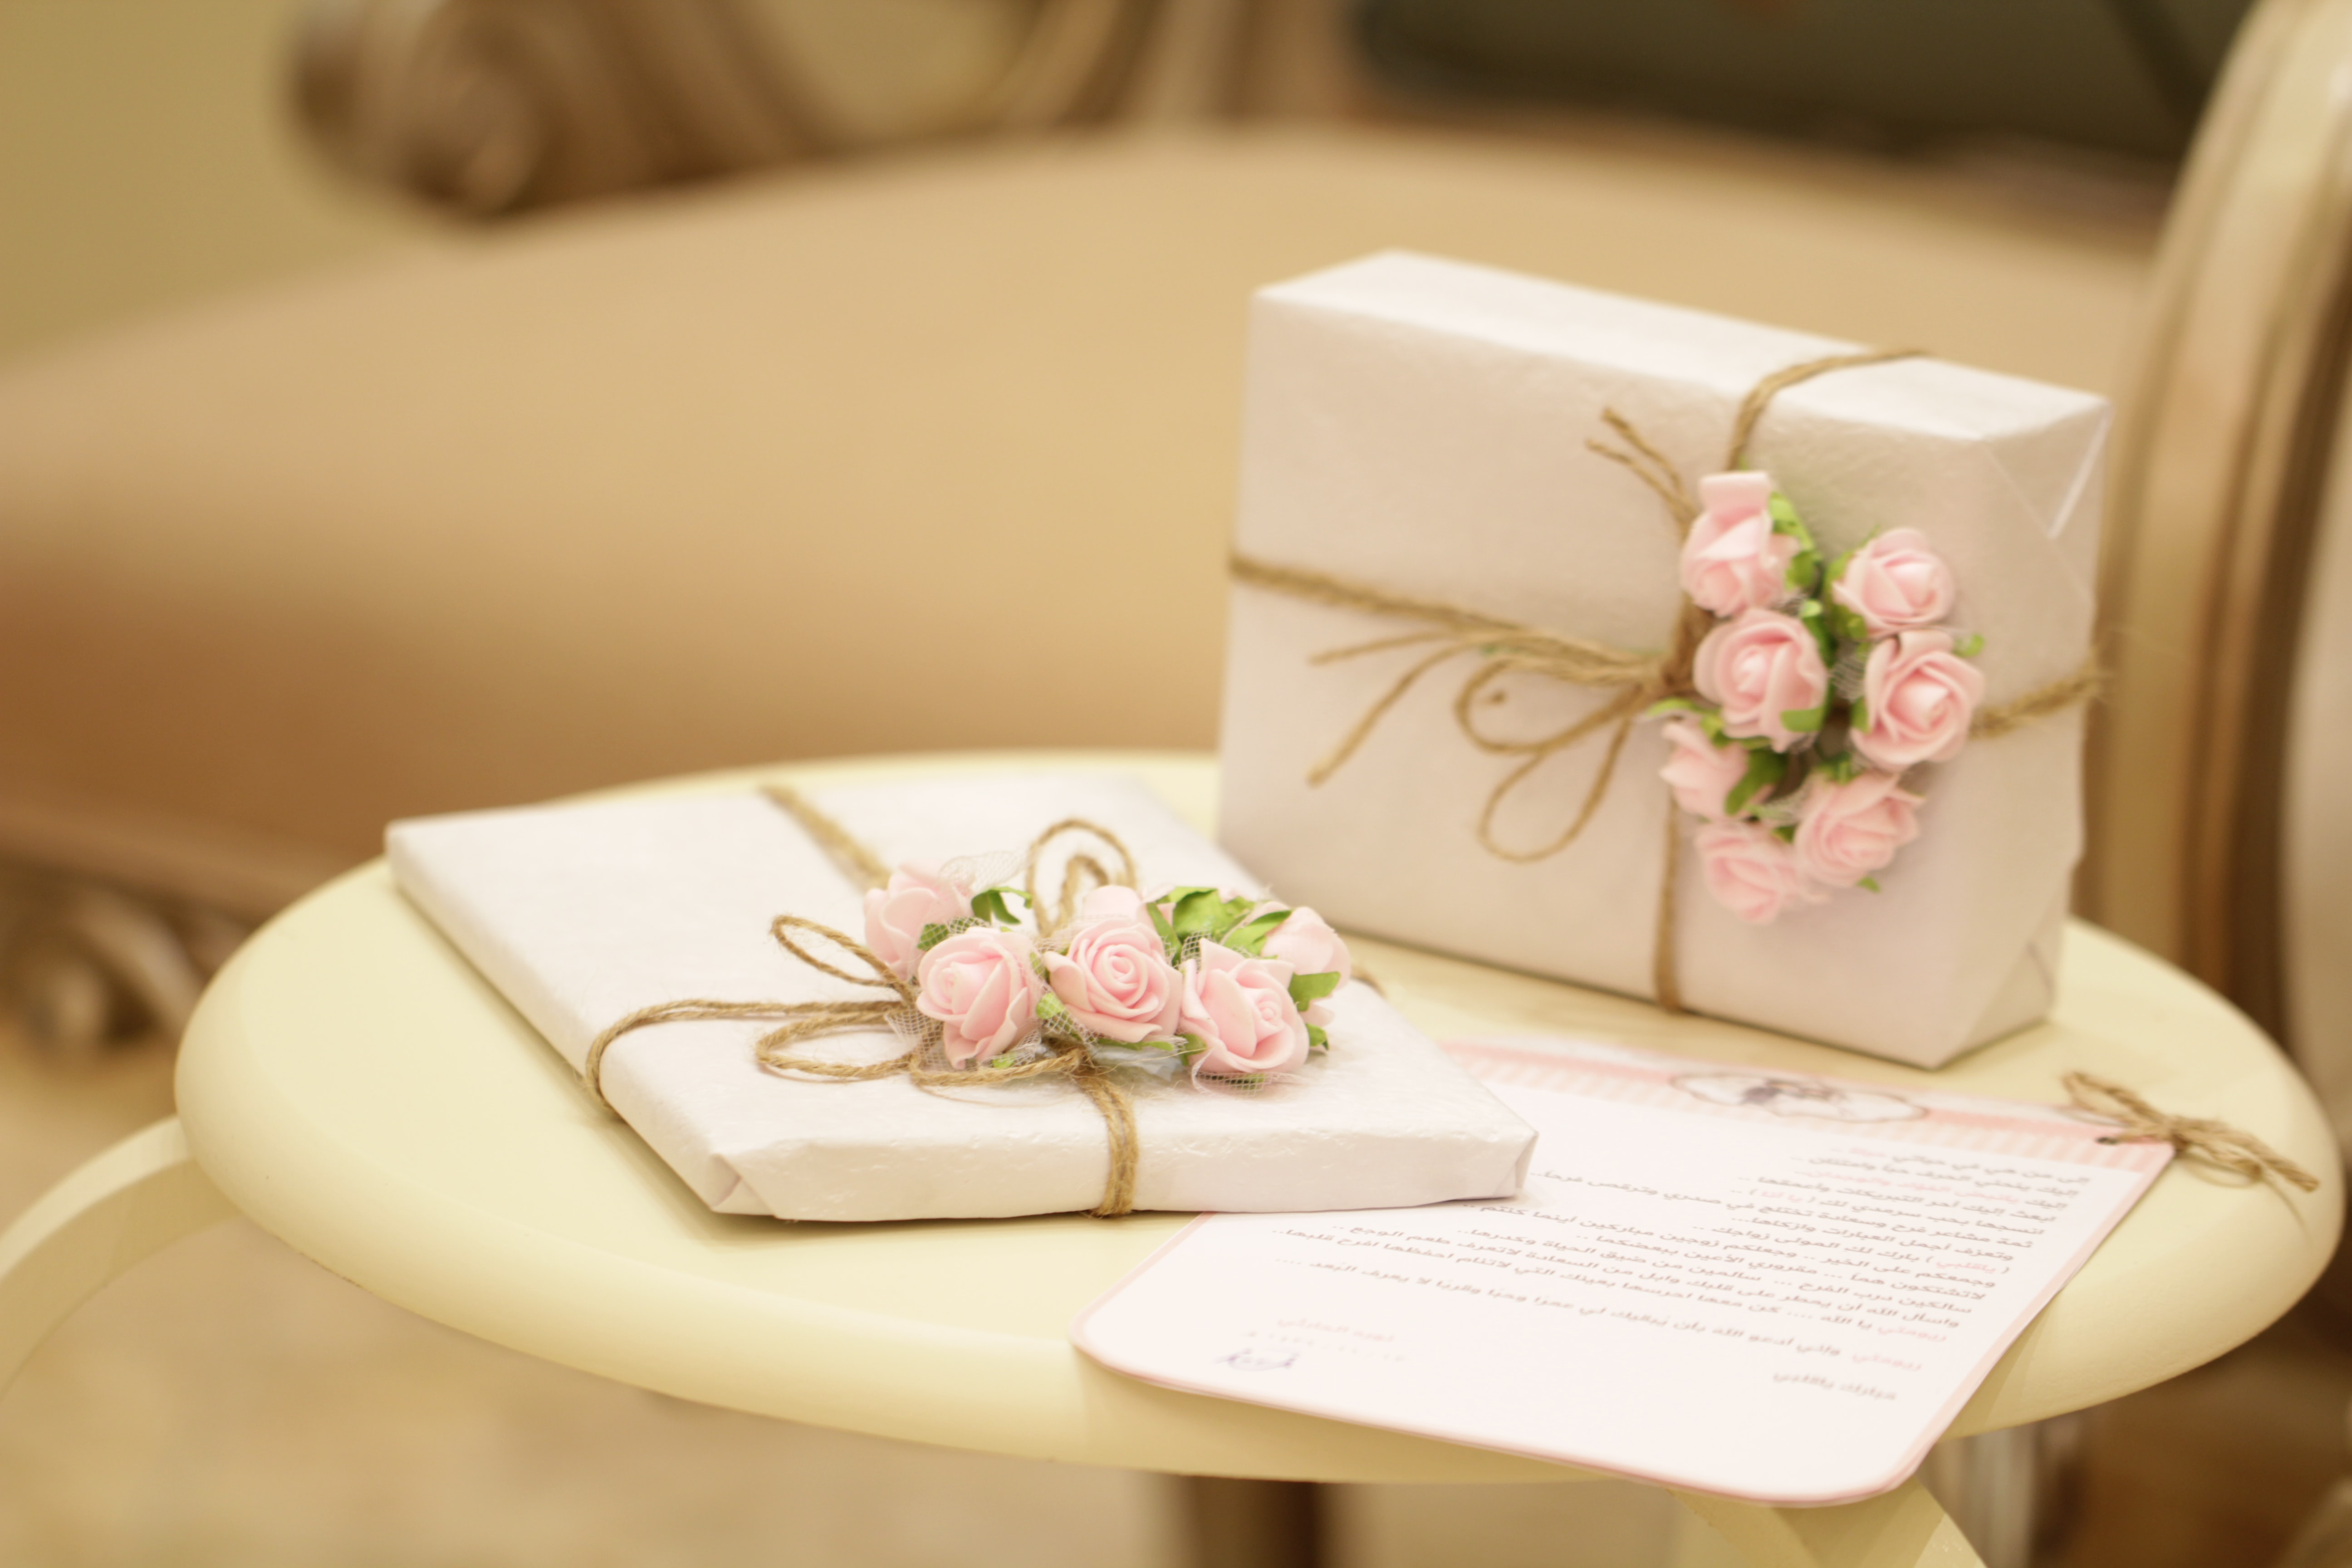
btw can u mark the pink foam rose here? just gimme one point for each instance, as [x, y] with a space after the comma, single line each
[1240, 1008]
[1700, 772]
[1112, 902]
[981, 987]
[1849, 830]
[1896, 584]
[1751, 872]
[1732, 561]
[1759, 670]
[1115, 979]
[1919, 697]
[1307, 942]
[917, 896]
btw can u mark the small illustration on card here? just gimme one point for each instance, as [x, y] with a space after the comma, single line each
[1759, 1284]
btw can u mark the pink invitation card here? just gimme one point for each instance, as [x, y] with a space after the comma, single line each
[1759, 1284]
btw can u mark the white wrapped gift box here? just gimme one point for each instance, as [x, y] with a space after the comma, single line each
[580, 915]
[1421, 427]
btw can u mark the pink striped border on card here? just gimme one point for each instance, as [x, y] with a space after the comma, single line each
[1598, 1070]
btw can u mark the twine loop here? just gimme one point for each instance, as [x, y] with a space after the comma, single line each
[800, 1021]
[2233, 1149]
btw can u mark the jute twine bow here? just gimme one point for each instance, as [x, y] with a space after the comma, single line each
[896, 1011]
[1638, 681]
[2217, 1142]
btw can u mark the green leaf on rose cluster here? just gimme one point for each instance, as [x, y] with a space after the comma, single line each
[1871, 883]
[1200, 912]
[1195, 911]
[1786, 833]
[1969, 646]
[1816, 621]
[1235, 911]
[1250, 938]
[1766, 769]
[1785, 521]
[1306, 990]
[1317, 1037]
[1190, 1046]
[989, 905]
[1860, 715]
[1804, 721]
[1052, 1008]
[1805, 567]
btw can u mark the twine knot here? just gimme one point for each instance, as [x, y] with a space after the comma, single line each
[2233, 1149]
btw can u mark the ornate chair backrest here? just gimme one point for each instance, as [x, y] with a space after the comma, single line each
[493, 106]
[2225, 459]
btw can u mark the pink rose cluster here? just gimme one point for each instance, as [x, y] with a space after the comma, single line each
[1230, 986]
[1822, 684]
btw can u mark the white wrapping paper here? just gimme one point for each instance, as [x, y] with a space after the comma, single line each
[582, 914]
[1420, 425]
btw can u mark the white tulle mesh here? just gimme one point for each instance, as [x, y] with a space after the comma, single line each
[1846, 675]
[994, 869]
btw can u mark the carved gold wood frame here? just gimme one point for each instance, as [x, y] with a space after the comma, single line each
[491, 106]
[2218, 471]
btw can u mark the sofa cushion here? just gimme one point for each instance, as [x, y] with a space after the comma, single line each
[935, 452]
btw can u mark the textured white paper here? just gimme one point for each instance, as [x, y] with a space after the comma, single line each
[582, 914]
[1758, 1284]
[1420, 425]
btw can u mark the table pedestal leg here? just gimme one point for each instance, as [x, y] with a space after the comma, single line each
[1904, 1529]
[126, 1205]
[1255, 1524]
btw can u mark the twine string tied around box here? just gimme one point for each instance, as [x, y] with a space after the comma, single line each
[1638, 681]
[896, 1011]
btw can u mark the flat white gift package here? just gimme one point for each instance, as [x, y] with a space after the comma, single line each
[1424, 427]
[582, 914]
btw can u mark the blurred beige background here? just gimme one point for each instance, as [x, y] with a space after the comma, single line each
[233, 1403]
[146, 161]
[230, 1402]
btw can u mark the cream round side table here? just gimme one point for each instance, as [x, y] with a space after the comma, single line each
[351, 1084]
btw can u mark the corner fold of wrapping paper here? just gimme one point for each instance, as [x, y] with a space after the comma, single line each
[735, 1195]
[1519, 1167]
[2055, 469]
[2030, 990]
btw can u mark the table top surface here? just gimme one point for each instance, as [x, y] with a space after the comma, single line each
[357, 1088]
